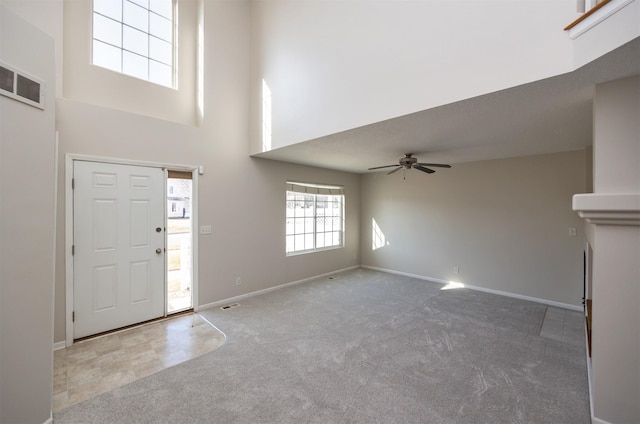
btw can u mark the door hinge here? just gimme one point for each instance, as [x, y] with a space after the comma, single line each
[73, 249]
[73, 316]
[73, 183]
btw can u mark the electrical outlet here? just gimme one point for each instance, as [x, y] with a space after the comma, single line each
[238, 281]
[205, 229]
[456, 270]
[572, 231]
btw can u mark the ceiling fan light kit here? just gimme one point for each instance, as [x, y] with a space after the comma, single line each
[408, 162]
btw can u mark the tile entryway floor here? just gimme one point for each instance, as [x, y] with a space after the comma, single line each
[98, 365]
[564, 326]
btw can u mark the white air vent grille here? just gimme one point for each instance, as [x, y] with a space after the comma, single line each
[20, 86]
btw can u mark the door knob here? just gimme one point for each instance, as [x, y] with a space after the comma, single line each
[158, 250]
[158, 229]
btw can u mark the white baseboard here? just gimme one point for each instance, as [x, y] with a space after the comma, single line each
[270, 289]
[50, 419]
[59, 345]
[483, 289]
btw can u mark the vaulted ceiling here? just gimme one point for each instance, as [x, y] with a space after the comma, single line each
[546, 116]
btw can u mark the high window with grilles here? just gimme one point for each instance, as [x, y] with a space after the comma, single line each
[136, 38]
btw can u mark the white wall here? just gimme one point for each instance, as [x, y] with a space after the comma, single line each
[617, 164]
[27, 140]
[46, 15]
[505, 224]
[242, 198]
[616, 256]
[333, 66]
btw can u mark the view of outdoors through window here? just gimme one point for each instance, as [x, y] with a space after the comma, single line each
[179, 236]
[314, 222]
[135, 37]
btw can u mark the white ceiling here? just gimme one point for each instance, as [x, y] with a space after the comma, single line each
[546, 116]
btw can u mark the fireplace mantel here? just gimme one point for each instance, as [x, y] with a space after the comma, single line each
[608, 209]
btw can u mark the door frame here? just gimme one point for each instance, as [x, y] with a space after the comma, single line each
[69, 160]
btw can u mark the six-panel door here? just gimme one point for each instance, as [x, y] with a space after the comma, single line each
[119, 246]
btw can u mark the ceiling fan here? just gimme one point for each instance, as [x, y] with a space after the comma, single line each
[408, 162]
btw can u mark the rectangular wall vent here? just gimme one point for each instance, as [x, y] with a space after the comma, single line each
[20, 86]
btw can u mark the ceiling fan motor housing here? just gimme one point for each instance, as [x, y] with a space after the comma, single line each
[408, 161]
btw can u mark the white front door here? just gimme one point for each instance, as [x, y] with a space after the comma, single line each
[118, 238]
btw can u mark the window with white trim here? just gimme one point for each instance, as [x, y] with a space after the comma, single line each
[314, 217]
[135, 37]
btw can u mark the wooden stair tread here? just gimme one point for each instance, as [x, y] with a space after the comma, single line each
[586, 14]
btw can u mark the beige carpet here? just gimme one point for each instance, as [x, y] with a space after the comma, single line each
[366, 347]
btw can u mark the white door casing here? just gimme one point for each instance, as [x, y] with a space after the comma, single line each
[119, 255]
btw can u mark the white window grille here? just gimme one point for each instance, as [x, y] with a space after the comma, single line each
[314, 217]
[135, 37]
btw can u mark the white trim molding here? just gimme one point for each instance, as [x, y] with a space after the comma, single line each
[608, 209]
[223, 302]
[59, 345]
[482, 289]
[598, 16]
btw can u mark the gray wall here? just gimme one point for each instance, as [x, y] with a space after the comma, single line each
[243, 199]
[505, 224]
[27, 140]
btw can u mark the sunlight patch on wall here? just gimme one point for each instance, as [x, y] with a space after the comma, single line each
[378, 238]
[266, 117]
[200, 59]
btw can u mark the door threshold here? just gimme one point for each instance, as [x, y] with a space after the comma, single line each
[140, 324]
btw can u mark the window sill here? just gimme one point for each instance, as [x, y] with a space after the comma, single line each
[304, 252]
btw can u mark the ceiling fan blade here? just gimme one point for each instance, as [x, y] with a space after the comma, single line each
[423, 169]
[394, 170]
[436, 165]
[380, 167]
